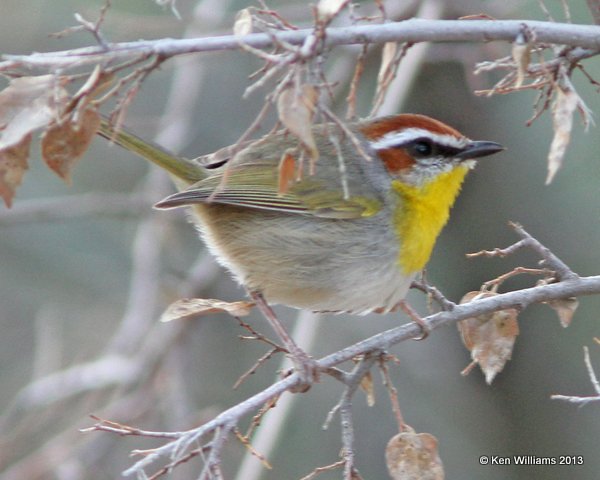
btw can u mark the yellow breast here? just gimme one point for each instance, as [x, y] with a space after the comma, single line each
[422, 213]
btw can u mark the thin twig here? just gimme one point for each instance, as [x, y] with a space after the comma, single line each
[104, 425]
[593, 379]
[327, 468]
[434, 293]
[352, 381]
[358, 71]
[563, 272]
[392, 391]
[496, 282]
[254, 368]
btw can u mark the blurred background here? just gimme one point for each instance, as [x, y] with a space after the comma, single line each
[82, 287]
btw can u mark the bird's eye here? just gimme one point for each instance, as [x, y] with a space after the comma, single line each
[422, 148]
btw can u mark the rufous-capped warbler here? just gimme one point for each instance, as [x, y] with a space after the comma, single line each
[349, 236]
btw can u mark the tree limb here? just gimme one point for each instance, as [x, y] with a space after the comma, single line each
[586, 37]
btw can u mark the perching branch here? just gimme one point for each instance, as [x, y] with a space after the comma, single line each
[382, 341]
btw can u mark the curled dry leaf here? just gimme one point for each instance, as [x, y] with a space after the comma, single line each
[490, 338]
[296, 108]
[28, 103]
[521, 54]
[186, 308]
[565, 309]
[366, 384]
[414, 456]
[64, 143]
[243, 22]
[13, 163]
[287, 172]
[565, 103]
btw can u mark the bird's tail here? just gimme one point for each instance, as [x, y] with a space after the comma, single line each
[181, 168]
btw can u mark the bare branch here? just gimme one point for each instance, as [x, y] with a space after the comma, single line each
[412, 31]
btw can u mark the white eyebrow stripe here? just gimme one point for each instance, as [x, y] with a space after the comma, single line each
[395, 139]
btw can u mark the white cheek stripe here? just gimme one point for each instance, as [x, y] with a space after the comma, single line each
[395, 139]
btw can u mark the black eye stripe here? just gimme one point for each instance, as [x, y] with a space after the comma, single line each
[447, 151]
[426, 147]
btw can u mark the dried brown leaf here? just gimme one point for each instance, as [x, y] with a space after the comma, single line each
[27, 104]
[563, 108]
[366, 384]
[296, 108]
[13, 163]
[287, 172]
[413, 456]
[186, 308]
[521, 54]
[565, 308]
[97, 83]
[63, 144]
[243, 22]
[490, 337]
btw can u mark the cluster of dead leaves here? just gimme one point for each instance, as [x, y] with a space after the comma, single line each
[68, 125]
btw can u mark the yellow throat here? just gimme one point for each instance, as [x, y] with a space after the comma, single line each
[421, 215]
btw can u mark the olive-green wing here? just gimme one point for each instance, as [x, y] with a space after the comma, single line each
[255, 185]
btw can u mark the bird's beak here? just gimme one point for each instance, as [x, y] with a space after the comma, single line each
[479, 149]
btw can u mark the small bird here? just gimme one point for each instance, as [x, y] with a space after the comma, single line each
[347, 234]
